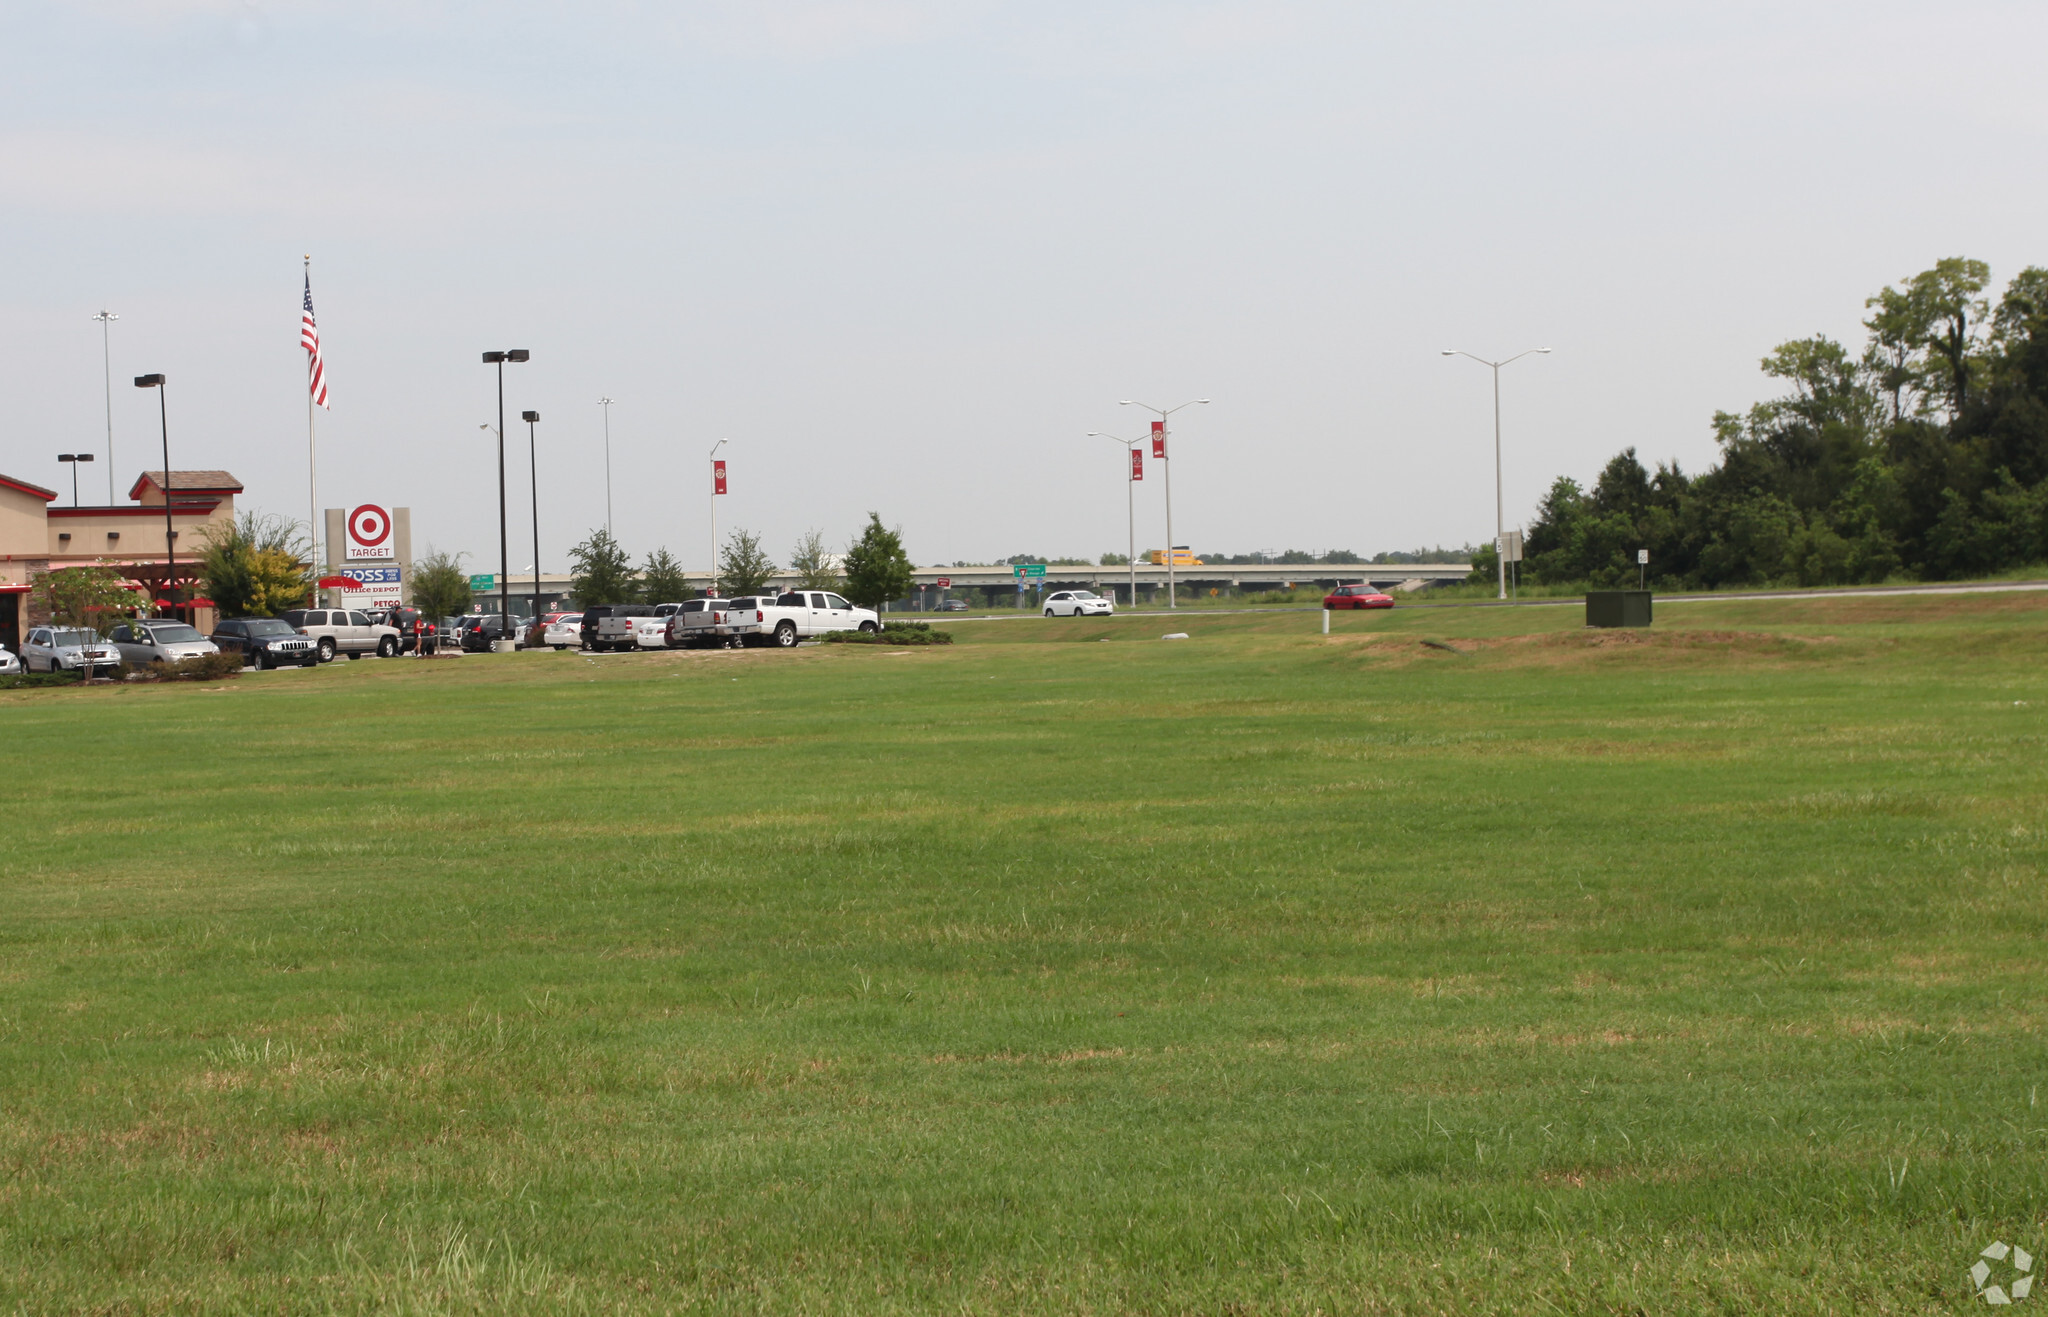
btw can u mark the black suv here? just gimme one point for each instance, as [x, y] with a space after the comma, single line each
[266, 642]
[479, 632]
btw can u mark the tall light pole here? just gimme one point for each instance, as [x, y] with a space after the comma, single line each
[606, 403]
[499, 359]
[74, 459]
[164, 418]
[712, 459]
[1131, 478]
[1160, 452]
[1500, 521]
[533, 470]
[107, 378]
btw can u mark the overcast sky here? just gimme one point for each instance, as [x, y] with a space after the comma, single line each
[906, 254]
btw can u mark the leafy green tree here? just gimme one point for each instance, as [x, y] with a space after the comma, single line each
[256, 566]
[94, 597]
[877, 569]
[662, 580]
[440, 586]
[601, 573]
[812, 562]
[743, 568]
[1341, 556]
[1115, 560]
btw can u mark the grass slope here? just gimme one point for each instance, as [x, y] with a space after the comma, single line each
[1057, 970]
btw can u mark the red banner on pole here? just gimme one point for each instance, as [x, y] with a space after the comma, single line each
[718, 477]
[1137, 464]
[1159, 439]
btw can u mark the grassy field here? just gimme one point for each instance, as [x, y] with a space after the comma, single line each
[1058, 970]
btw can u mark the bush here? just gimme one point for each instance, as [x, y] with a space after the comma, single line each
[30, 680]
[892, 633]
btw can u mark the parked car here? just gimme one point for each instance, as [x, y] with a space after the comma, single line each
[1357, 596]
[533, 634]
[1077, 603]
[615, 629]
[650, 632]
[343, 631]
[55, 649]
[410, 624]
[696, 624]
[564, 632]
[159, 640]
[795, 614]
[952, 605]
[480, 631]
[10, 666]
[267, 642]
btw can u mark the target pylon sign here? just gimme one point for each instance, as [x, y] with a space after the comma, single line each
[369, 533]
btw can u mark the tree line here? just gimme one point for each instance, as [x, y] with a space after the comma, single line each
[1924, 456]
[873, 570]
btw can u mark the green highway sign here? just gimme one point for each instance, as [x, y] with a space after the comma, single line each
[1025, 569]
[484, 582]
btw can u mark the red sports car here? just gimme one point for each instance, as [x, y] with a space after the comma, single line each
[1357, 596]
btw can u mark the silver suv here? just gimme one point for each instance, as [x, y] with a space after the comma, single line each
[344, 631]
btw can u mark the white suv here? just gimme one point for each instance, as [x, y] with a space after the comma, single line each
[345, 631]
[1077, 603]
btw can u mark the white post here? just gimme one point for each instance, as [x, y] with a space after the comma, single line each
[1326, 621]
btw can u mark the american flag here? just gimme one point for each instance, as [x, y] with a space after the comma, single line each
[309, 339]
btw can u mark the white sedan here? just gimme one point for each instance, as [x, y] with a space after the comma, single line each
[565, 632]
[650, 632]
[1077, 603]
[10, 666]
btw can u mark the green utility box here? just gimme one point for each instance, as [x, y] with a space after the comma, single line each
[1617, 608]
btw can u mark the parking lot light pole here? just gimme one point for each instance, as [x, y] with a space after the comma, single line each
[1130, 507]
[606, 403]
[499, 359]
[1500, 521]
[74, 459]
[164, 420]
[711, 471]
[533, 468]
[1164, 453]
[106, 319]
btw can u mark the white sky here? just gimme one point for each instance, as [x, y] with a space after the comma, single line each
[905, 254]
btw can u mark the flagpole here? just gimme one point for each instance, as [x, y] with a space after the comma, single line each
[312, 461]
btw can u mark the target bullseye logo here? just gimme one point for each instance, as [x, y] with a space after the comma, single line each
[369, 532]
[369, 524]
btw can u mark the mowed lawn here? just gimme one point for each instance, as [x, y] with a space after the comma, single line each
[1060, 970]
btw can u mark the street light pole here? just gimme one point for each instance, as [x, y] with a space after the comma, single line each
[107, 378]
[1164, 455]
[499, 359]
[606, 403]
[164, 419]
[711, 461]
[1131, 509]
[533, 471]
[74, 459]
[1500, 522]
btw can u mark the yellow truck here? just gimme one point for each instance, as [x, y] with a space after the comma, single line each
[1181, 557]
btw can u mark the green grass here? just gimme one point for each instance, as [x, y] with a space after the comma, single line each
[1057, 970]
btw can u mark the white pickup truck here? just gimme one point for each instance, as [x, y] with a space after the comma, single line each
[703, 623]
[782, 620]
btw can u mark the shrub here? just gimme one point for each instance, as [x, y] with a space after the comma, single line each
[892, 633]
[30, 680]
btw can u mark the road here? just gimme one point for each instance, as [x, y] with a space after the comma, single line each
[1846, 592]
